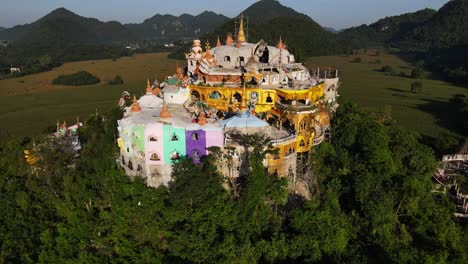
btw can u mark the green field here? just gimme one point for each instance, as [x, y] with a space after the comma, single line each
[427, 112]
[30, 104]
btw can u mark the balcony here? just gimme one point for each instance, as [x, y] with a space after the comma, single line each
[284, 140]
[296, 108]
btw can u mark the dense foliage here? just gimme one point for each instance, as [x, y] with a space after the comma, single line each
[76, 79]
[439, 38]
[374, 205]
[117, 80]
[268, 20]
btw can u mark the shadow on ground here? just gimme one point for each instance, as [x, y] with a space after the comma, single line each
[445, 113]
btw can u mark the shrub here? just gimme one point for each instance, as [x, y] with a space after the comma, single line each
[116, 81]
[76, 79]
[403, 74]
[387, 69]
[416, 87]
[417, 73]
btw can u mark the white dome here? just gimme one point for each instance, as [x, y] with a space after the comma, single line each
[150, 101]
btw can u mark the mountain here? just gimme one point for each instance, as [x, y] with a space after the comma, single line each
[168, 28]
[448, 27]
[2, 28]
[63, 25]
[269, 19]
[263, 11]
[385, 31]
[332, 30]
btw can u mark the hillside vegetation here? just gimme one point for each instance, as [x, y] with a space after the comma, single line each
[91, 212]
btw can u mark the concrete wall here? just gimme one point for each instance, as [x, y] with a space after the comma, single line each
[195, 141]
[171, 146]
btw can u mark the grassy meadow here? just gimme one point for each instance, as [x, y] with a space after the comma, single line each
[30, 104]
[427, 112]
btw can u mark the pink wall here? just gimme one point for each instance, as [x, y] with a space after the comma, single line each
[154, 130]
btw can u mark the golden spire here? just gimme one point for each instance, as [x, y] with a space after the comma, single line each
[218, 44]
[241, 35]
[207, 45]
[281, 44]
[148, 86]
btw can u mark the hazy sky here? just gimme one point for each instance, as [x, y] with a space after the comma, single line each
[330, 13]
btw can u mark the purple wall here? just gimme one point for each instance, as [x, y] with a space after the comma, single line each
[193, 144]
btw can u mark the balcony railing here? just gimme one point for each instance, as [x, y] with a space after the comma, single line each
[318, 140]
[296, 108]
[283, 140]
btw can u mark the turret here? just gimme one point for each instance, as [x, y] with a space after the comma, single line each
[165, 111]
[218, 43]
[148, 87]
[135, 108]
[229, 39]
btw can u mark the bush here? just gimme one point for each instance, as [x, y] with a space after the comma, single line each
[117, 80]
[417, 73]
[76, 79]
[387, 69]
[416, 87]
[357, 60]
[403, 74]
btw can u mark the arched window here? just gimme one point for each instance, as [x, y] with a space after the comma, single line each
[175, 155]
[153, 138]
[227, 58]
[215, 95]
[238, 97]
[269, 99]
[276, 156]
[196, 155]
[241, 59]
[174, 137]
[195, 136]
[139, 168]
[123, 160]
[302, 144]
[130, 165]
[155, 157]
[128, 149]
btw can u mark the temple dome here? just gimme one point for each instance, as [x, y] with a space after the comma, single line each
[150, 101]
[243, 121]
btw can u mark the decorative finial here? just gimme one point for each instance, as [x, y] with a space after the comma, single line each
[229, 39]
[218, 43]
[135, 106]
[241, 36]
[207, 45]
[165, 111]
[148, 86]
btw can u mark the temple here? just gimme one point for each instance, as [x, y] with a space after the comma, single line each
[223, 92]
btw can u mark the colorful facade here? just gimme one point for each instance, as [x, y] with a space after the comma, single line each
[237, 88]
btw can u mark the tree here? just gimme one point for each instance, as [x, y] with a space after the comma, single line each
[417, 73]
[416, 87]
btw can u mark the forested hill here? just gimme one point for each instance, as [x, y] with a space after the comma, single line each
[385, 31]
[269, 19]
[62, 25]
[373, 204]
[169, 28]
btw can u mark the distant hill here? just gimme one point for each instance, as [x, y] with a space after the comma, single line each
[63, 25]
[269, 19]
[385, 31]
[332, 30]
[169, 28]
[446, 28]
[2, 28]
